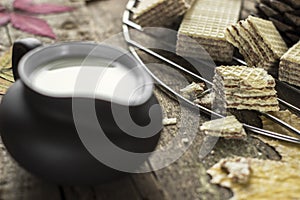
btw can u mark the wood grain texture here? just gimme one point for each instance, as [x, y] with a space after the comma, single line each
[117, 189]
[17, 184]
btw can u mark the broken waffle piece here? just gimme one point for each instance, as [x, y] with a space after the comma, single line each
[238, 169]
[258, 41]
[268, 179]
[159, 12]
[206, 100]
[231, 170]
[169, 121]
[244, 88]
[201, 33]
[227, 127]
[289, 67]
[193, 90]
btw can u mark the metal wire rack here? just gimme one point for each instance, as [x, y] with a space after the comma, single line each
[134, 46]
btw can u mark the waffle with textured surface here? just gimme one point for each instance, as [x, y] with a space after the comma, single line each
[269, 35]
[207, 21]
[228, 127]
[289, 67]
[242, 87]
[255, 53]
[159, 12]
[258, 41]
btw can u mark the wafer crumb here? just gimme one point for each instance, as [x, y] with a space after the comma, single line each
[169, 121]
[193, 90]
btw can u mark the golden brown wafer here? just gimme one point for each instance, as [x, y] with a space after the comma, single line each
[159, 12]
[207, 21]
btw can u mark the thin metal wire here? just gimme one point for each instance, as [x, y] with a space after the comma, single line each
[282, 123]
[127, 22]
[285, 125]
[136, 44]
[288, 105]
[139, 28]
[210, 112]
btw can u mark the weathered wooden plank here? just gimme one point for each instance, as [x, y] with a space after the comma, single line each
[118, 189]
[17, 184]
[149, 187]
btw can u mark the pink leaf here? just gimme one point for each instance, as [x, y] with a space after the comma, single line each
[4, 18]
[31, 25]
[2, 8]
[43, 8]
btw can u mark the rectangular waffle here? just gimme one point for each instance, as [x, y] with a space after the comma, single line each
[248, 46]
[258, 41]
[289, 67]
[204, 26]
[159, 12]
[243, 87]
[268, 34]
[228, 127]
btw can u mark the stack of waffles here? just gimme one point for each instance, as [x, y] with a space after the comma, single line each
[289, 67]
[202, 31]
[228, 127]
[159, 12]
[243, 87]
[259, 42]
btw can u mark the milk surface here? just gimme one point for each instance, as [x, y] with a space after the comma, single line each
[60, 77]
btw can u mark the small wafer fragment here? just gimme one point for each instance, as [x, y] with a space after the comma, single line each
[169, 121]
[231, 170]
[193, 90]
[206, 100]
[228, 127]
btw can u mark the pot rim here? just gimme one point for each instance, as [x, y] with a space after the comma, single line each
[144, 77]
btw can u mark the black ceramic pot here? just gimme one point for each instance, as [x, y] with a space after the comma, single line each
[39, 130]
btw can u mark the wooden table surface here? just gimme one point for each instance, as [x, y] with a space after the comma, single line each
[184, 179]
